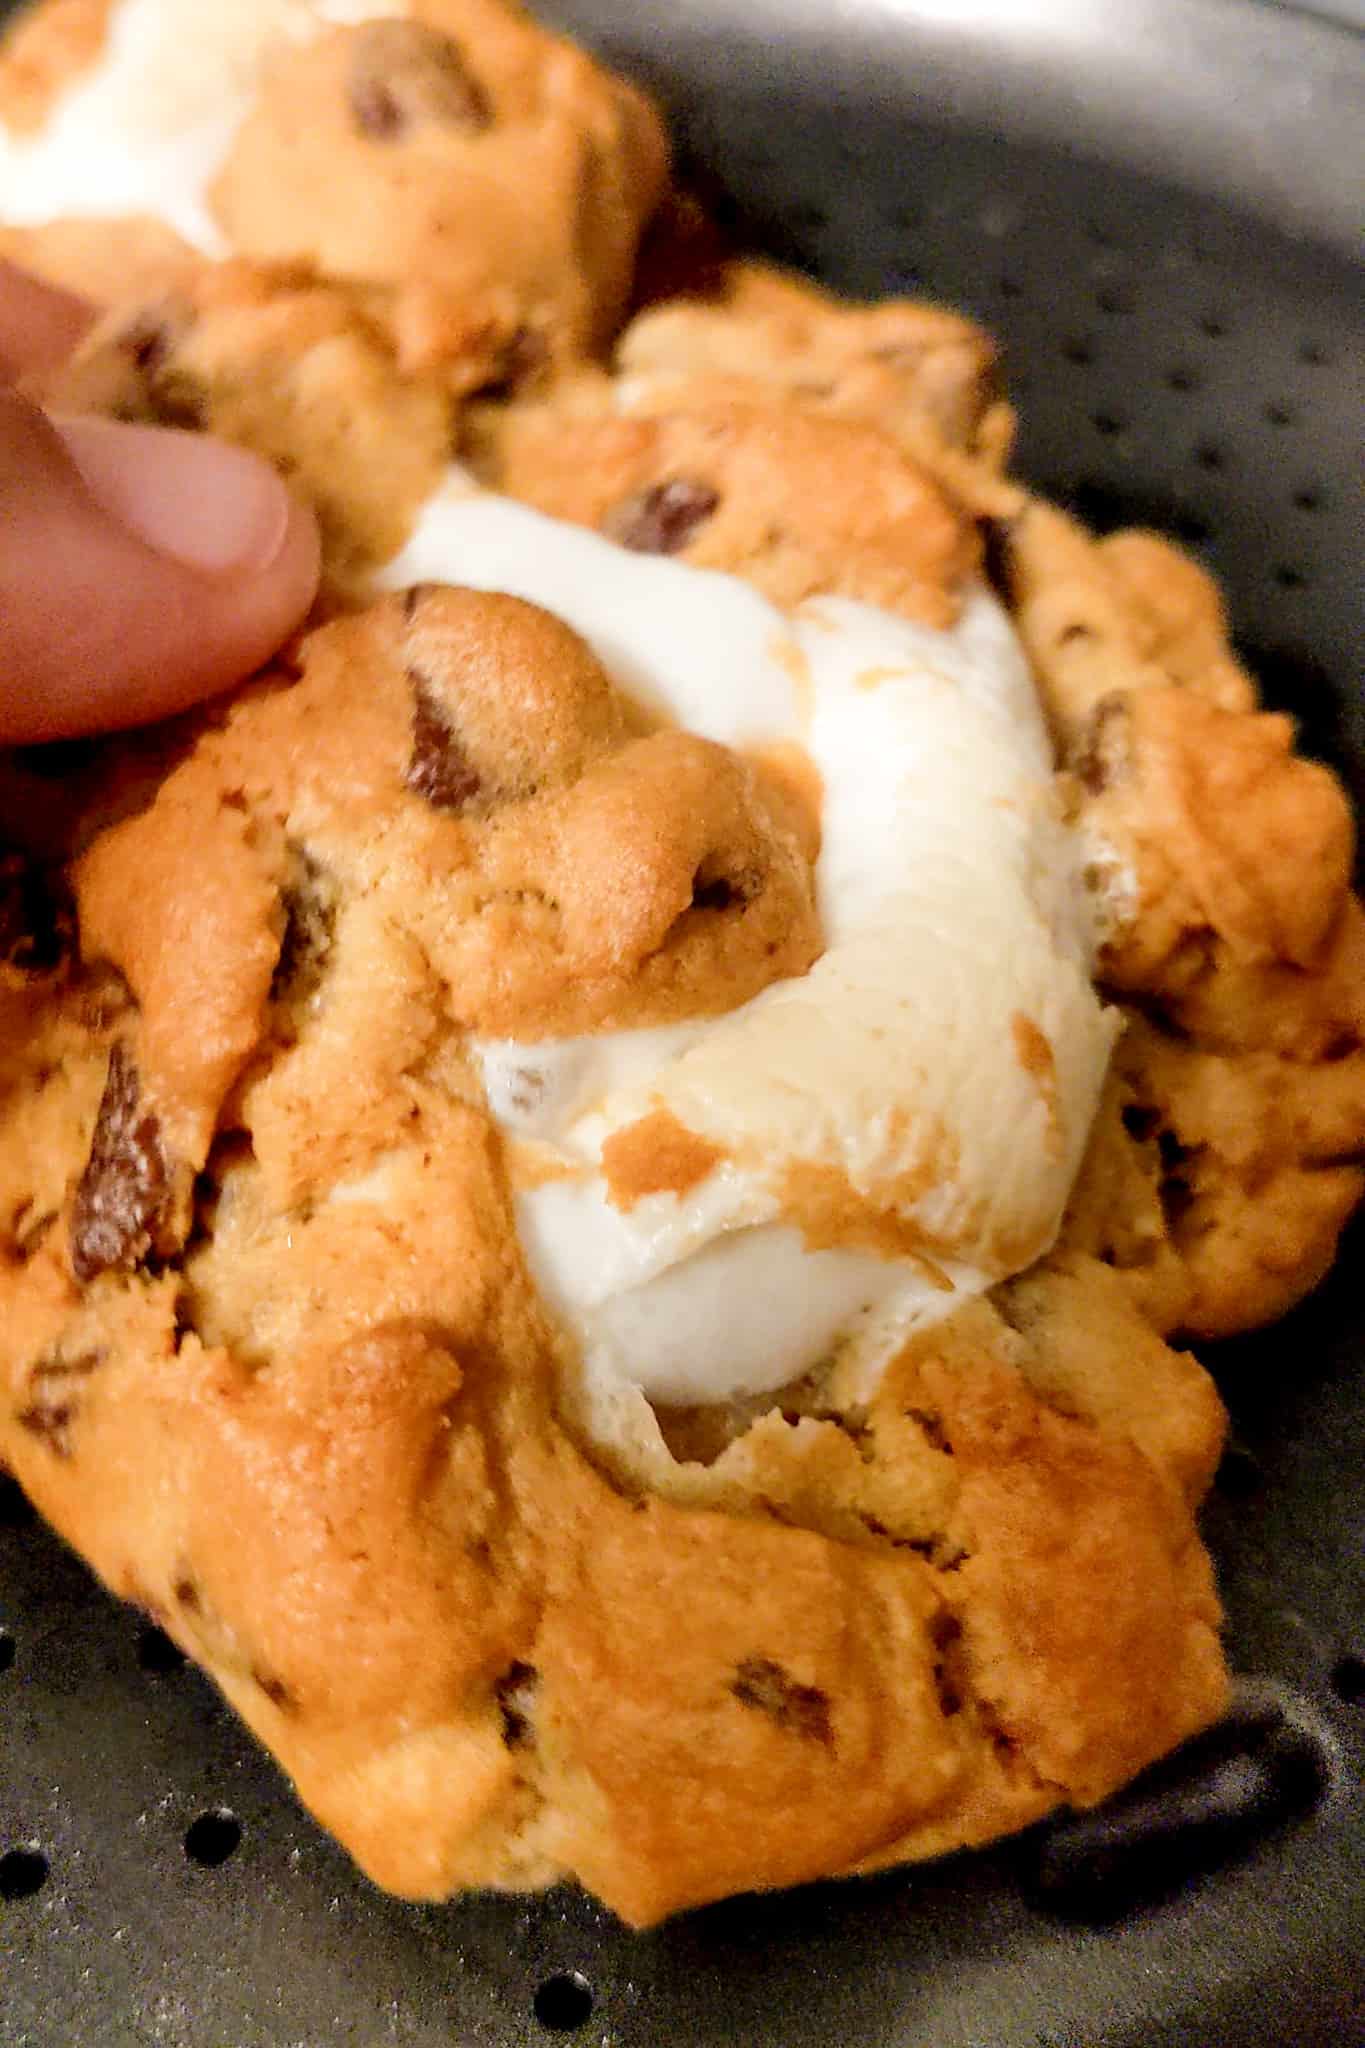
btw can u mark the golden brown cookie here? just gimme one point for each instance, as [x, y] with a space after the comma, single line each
[928, 377]
[1224, 1170]
[274, 1360]
[1130, 612]
[483, 182]
[287, 367]
[796, 503]
[275, 1365]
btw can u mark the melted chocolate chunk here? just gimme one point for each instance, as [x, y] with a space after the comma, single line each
[309, 926]
[179, 400]
[1141, 1122]
[515, 1695]
[663, 519]
[49, 1419]
[1102, 754]
[932, 1424]
[52, 1404]
[275, 1690]
[803, 1709]
[159, 391]
[404, 75]
[122, 1195]
[438, 767]
[37, 923]
[152, 334]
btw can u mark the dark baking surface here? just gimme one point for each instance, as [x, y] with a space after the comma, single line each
[1155, 215]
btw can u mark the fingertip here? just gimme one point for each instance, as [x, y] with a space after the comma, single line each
[145, 570]
[39, 323]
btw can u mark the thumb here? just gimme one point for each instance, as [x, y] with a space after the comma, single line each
[140, 569]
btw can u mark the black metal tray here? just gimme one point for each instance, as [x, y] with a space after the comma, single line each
[1156, 203]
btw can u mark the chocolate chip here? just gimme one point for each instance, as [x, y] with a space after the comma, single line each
[53, 1404]
[179, 400]
[31, 1227]
[309, 906]
[375, 110]
[515, 1695]
[1101, 756]
[802, 1709]
[1140, 1122]
[37, 922]
[438, 767]
[122, 1195]
[945, 1632]
[148, 339]
[663, 519]
[162, 392]
[50, 1422]
[404, 75]
[932, 1424]
[275, 1690]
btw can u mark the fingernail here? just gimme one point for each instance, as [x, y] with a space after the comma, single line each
[215, 508]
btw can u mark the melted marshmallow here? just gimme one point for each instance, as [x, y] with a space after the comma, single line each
[940, 1063]
[145, 128]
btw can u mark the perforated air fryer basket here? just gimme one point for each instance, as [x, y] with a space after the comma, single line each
[1156, 204]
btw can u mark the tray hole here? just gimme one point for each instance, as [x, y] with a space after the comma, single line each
[1278, 414]
[213, 1837]
[1314, 354]
[9, 1649]
[1108, 423]
[158, 1654]
[1309, 499]
[1348, 1680]
[1010, 288]
[1181, 378]
[1288, 576]
[22, 1873]
[564, 2002]
[1210, 456]
[1112, 299]
[1192, 528]
[1078, 351]
[1214, 326]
